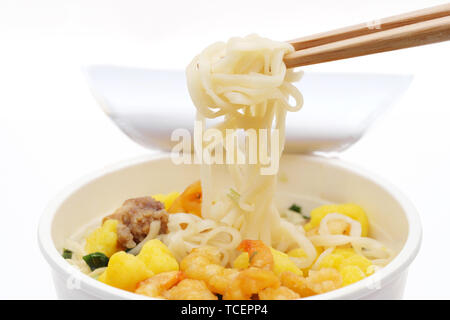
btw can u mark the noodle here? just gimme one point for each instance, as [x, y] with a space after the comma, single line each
[319, 259]
[355, 226]
[245, 82]
[188, 231]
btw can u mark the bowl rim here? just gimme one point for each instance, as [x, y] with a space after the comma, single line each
[357, 290]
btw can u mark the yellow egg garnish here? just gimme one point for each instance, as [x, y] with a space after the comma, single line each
[166, 199]
[352, 266]
[351, 274]
[359, 261]
[157, 257]
[241, 262]
[125, 271]
[331, 261]
[282, 263]
[345, 252]
[349, 209]
[103, 239]
[297, 253]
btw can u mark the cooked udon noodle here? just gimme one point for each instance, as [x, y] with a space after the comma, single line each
[244, 85]
[245, 82]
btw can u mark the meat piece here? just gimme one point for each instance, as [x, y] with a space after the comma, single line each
[135, 217]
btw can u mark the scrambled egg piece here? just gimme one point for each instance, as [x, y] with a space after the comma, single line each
[332, 260]
[351, 274]
[166, 199]
[103, 239]
[359, 261]
[281, 263]
[157, 257]
[352, 266]
[241, 262]
[349, 209]
[125, 271]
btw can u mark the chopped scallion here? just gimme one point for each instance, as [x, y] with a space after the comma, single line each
[67, 254]
[298, 209]
[96, 260]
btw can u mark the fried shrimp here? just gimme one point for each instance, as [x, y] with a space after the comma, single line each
[156, 286]
[204, 264]
[317, 282]
[249, 282]
[324, 280]
[189, 289]
[259, 254]
[296, 283]
[280, 293]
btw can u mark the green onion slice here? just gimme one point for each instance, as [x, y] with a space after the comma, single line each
[96, 260]
[295, 208]
[67, 254]
[298, 209]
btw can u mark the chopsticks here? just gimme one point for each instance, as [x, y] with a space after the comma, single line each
[412, 29]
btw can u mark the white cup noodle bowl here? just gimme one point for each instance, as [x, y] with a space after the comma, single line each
[393, 218]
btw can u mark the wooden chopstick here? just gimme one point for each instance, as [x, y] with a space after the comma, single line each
[398, 32]
[371, 27]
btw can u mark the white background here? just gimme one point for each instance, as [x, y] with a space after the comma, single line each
[52, 132]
